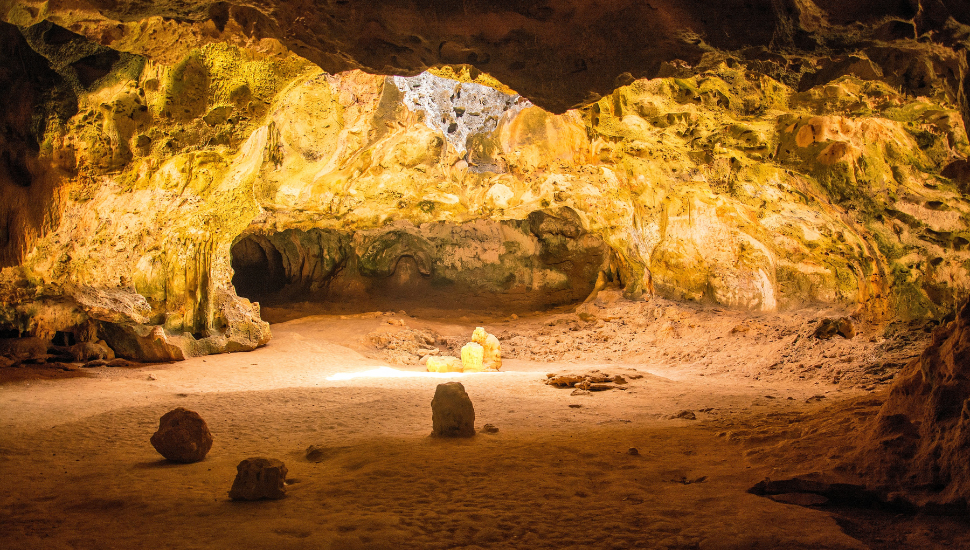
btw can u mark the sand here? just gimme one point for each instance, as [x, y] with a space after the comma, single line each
[78, 470]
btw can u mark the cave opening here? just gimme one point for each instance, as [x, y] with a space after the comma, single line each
[497, 267]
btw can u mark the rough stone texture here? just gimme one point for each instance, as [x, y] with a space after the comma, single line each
[920, 440]
[452, 412]
[559, 53]
[827, 328]
[182, 436]
[471, 357]
[724, 179]
[492, 349]
[444, 363]
[258, 479]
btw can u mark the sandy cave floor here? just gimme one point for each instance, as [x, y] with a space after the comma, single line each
[78, 471]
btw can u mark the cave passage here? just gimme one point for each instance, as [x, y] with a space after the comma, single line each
[500, 267]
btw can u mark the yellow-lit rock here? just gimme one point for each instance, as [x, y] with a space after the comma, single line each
[471, 357]
[492, 349]
[444, 363]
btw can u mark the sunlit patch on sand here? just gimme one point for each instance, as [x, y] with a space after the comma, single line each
[388, 372]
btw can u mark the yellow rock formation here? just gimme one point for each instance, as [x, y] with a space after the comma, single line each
[471, 357]
[492, 349]
[444, 363]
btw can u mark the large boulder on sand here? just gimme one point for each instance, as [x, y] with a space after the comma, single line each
[259, 478]
[452, 413]
[491, 349]
[182, 436]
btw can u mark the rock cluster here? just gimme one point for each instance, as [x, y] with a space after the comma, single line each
[483, 353]
[182, 436]
[593, 381]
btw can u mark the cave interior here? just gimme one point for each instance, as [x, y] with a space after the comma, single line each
[713, 258]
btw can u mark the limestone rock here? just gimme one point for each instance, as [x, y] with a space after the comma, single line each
[87, 351]
[452, 412]
[921, 437]
[444, 363]
[24, 349]
[259, 478]
[182, 436]
[827, 328]
[471, 357]
[492, 349]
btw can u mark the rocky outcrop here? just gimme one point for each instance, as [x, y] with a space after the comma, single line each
[920, 440]
[491, 349]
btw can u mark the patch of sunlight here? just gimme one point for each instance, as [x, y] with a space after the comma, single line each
[388, 372]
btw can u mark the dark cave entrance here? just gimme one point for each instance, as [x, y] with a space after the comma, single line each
[258, 268]
[498, 267]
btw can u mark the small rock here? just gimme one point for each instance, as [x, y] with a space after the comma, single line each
[684, 414]
[579, 392]
[152, 377]
[633, 451]
[96, 363]
[575, 406]
[182, 436]
[489, 429]
[452, 412]
[515, 317]
[259, 478]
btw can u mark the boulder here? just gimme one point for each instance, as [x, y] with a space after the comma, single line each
[259, 478]
[471, 357]
[445, 363]
[182, 436]
[492, 349]
[24, 349]
[452, 412]
[828, 328]
[88, 351]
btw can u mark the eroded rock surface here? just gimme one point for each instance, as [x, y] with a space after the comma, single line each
[920, 440]
[182, 436]
[452, 412]
[258, 479]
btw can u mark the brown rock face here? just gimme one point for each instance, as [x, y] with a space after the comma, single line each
[259, 478]
[182, 436]
[558, 53]
[452, 412]
[921, 437]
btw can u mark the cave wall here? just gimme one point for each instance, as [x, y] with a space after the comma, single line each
[832, 171]
[546, 260]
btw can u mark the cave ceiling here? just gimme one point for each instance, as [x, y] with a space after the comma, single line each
[558, 53]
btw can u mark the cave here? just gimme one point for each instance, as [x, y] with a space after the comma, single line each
[545, 261]
[556, 274]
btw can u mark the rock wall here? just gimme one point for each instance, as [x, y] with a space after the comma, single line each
[727, 185]
[920, 440]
